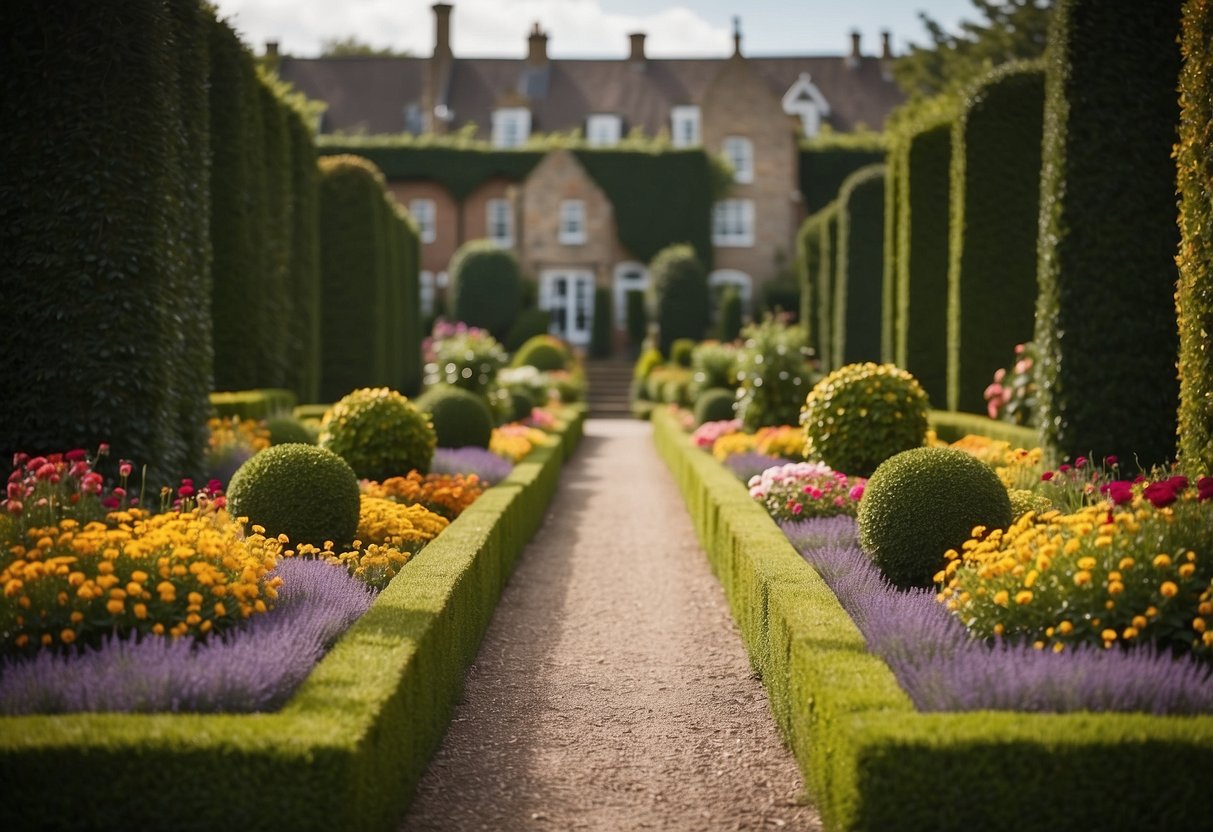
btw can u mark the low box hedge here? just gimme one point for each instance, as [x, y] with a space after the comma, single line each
[869, 759]
[950, 426]
[253, 404]
[348, 749]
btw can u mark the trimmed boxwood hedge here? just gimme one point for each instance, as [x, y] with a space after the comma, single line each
[680, 295]
[995, 213]
[950, 426]
[868, 758]
[1105, 323]
[345, 752]
[99, 248]
[894, 181]
[304, 276]
[486, 287]
[827, 266]
[1194, 297]
[808, 272]
[826, 161]
[859, 268]
[922, 253]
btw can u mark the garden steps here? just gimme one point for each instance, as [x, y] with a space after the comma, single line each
[609, 386]
[612, 691]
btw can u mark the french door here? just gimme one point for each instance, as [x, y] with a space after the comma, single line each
[568, 294]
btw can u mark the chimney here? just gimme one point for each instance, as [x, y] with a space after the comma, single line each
[271, 53]
[637, 41]
[886, 50]
[853, 58]
[736, 36]
[537, 46]
[442, 30]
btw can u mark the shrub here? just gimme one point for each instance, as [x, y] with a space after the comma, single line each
[528, 324]
[1023, 501]
[379, 433]
[781, 296]
[486, 287]
[728, 323]
[603, 327]
[681, 351]
[859, 268]
[648, 361]
[1137, 567]
[808, 268]
[544, 353]
[714, 405]
[460, 418]
[463, 356]
[309, 494]
[715, 366]
[800, 490]
[680, 290]
[521, 405]
[861, 414]
[670, 384]
[284, 430]
[638, 318]
[774, 371]
[923, 502]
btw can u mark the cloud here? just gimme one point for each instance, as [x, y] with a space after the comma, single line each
[479, 28]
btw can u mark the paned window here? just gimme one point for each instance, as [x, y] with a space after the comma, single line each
[572, 222]
[423, 214]
[733, 223]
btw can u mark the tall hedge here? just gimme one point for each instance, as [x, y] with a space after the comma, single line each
[1194, 299]
[603, 330]
[353, 283]
[304, 269]
[808, 261]
[826, 162]
[922, 254]
[680, 291]
[1105, 324]
[274, 305]
[859, 267]
[995, 211]
[894, 181]
[99, 254]
[411, 330]
[486, 287]
[826, 268]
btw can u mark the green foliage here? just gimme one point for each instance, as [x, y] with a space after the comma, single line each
[603, 329]
[287, 429]
[460, 418]
[253, 404]
[529, 324]
[828, 265]
[680, 290]
[808, 273]
[922, 170]
[950, 426]
[889, 320]
[467, 358]
[781, 296]
[309, 494]
[1194, 298]
[827, 160]
[543, 352]
[775, 375]
[714, 405]
[379, 433]
[715, 366]
[922, 502]
[1011, 30]
[669, 384]
[861, 414]
[1023, 501]
[104, 260]
[1108, 368]
[728, 323]
[859, 267]
[638, 318]
[521, 405]
[486, 288]
[350, 46]
[303, 374]
[648, 361]
[682, 350]
[995, 213]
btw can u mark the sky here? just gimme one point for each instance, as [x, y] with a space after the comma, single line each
[593, 28]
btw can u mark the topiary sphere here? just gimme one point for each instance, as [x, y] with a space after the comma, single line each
[861, 414]
[285, 429]
[521, 405]
[543, 352]
[380, 433]
[715, 405]
[921, 503]
[460, 417]
[307, 493]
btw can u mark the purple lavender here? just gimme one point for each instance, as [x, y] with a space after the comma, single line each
[751, 464]
[470, 460]
[943, 668]
[254, 668]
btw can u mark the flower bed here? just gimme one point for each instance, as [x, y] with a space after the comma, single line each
[870, 759]
[345, 752]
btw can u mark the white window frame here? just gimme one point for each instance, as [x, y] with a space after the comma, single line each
[424, 213]
[684, 126]
[503, 222]
[721, 278]
[572, 222]
[805, 101]
[603, 129]
[511, 126]
[740, 152]
[733, 223]
[629, 276]
[426, 292]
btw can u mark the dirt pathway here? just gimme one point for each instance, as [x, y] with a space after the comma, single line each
[612, 691]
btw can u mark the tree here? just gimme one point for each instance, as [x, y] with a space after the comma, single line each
[1008, 30]
[350, 46]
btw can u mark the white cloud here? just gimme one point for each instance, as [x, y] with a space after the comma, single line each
[479, 28]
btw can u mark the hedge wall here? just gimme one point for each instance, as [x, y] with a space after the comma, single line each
[894, 181]
[859, 267]
[995, 214]
[274, 303]
[680, 295]
[411, 332]
[99, 254]
[922, 255]
[828, 247]
[1105, 324]
[304, 273]
[1194, 298]
[826, 162]
[808, 272]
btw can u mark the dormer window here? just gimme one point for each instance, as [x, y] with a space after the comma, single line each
[602, 130]
[511, 126]
[739, 151]
[684, 126]
[572, 222]
[806, 102]
[422, 211]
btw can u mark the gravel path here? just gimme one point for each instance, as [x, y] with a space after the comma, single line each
[612, 691]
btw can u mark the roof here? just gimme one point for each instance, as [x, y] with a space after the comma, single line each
[372, 95]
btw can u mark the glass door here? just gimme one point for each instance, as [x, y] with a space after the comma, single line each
[568, 294]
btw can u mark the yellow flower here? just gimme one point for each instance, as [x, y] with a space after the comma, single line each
[1140, 622]
[1168, 589]
[1199, 625]
[1001, 597]
[115, 606]
[1108, 635]
[1023, 597]
[1065, 628]
[1129, 633]
[1162, 561]
[1087, 562]
[1082, 578]
[67, 636]
[1187, 570]
[1115, 588]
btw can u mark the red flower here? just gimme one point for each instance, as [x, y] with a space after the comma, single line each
[1204, 489]
[75, 455]
[1118, 491]
[1046, 476]
[1161, 494]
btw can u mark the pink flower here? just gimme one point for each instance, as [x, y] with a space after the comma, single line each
[1204, 489]
[110, 503]
[124, 468]
[1046, 476]
[1112, 460]
[999, 375]
[15, 507]
[1019, 348]
[797, 508]
[1118, 491]
[857, 492]
[15, 491]
[186, 490]
[46, 471]
[1022, 366]
[75, 455]
[103, 449]
[1063, 468]
[1081, 461]
[35, 463]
